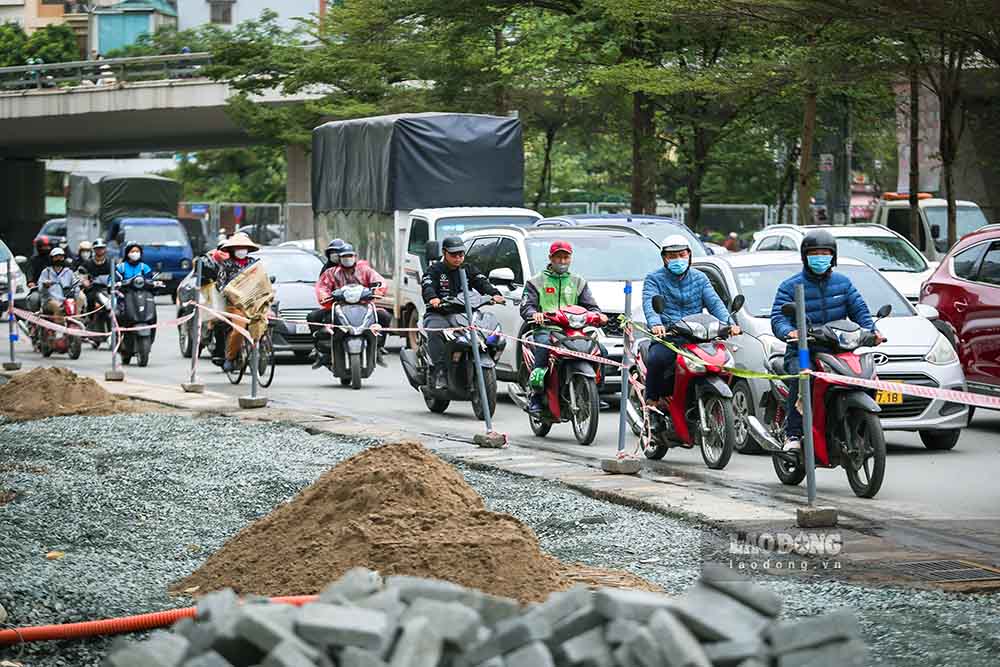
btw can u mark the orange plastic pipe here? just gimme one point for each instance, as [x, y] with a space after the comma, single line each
[113, 626]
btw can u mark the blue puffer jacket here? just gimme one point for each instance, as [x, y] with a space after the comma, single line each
[127, 270]
[685, 295]
[829, 297]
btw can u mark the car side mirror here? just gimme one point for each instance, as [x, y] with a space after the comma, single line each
[935, 231]
[502, 276]
[737, 304]
[788, 310]
[432, 250]
[884, 311]
[273, 279]
[927, 312]
[659, 304]
[20, 259]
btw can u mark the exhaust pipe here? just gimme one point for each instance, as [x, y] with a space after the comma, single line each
[761, 435]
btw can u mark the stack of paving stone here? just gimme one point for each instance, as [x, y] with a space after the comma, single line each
[362, 621]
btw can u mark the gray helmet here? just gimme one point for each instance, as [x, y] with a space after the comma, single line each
[335, 247]
[453, 244]
[347, 249]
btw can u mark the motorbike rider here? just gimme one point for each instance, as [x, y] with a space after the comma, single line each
[332, 255]
[686, 291]
[440, 281]
[829, 297]
[348, 271]
[58, 282]
[238, 248]
[133, 265]
[39, 261]
[547, 292]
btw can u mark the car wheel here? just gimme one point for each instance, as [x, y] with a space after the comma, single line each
[940, 440]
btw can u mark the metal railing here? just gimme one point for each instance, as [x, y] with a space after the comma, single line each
[107, 72]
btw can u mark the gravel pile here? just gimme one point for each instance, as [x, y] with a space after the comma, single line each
[361, 621]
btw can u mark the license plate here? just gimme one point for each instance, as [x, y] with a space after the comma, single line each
[162, 276]
[885, 397]
[302, 328]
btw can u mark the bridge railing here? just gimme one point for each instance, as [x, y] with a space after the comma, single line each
[107, 72]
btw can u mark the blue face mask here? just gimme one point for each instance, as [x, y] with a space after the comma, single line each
[819, 263]
[677, 266]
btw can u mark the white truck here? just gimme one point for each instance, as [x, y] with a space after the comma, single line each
[893, 211]
[391, 184]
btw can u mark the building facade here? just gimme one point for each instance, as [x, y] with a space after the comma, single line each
[228, 13]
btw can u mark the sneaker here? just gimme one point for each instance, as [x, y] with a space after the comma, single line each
[440, 380]
[321, 360]
[792, 445]
[535, 405]
[228, 365]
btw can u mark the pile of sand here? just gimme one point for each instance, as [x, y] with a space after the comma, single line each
[397, 509]
[58, 392]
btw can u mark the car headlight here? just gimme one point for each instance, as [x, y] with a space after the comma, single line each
[942, 353]
[185, 264]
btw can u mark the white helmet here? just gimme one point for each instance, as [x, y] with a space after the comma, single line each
[57, 252]
[675, 243]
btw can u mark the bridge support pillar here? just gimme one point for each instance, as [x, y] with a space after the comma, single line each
[22, 191]
[298, 193]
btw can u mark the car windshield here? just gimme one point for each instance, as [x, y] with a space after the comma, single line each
[156, 235]
[4, 256]
[292, 267]
[657, 230]
[883, 253]
[53, 228]
[458, 225]
[967, 218]
[609, 258]
[759, 284]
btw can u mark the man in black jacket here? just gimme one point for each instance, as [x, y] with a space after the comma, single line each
[440, 281]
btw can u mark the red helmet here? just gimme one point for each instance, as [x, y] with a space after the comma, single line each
[42, 242]
[560, 246]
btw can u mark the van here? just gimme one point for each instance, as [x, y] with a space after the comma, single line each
[166, 247]
[893, 211]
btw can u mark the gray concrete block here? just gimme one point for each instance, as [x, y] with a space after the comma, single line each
[508, 635]
[561, 604]
[714, 616]
[735, 653]
[535, 654]
[787, 636]
[452, 621]
[183, 627]
[495, 661]
[326, 625]
[289, 653]
[353, 656]
[753, 662]
[620, 630]
[621, 603]
[418, 646]
[210, 659]
[252, 402]
[816, 517]
[387, 601]
[838, 654]
[357, 583]
[267, 626]
[641, 650]
[410, 588]
[492, 440]
[170, 647]
[212, 606]
[680, 648]
[583, 620]
[621, 466]
[757, 597]
[139, 656]
[493, 608]
[588, 650]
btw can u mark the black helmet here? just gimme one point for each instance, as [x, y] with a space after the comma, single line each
[346, 249]
[335, 247]
[819, 239]
[128, 249]
[453, 244]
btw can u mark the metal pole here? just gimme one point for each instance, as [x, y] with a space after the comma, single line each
[254, 356]
[196, 325]
[623, 405]
[114, 331]
[475, 354]
[12, 365]
[805, 394]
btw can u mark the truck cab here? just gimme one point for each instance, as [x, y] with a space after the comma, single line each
[166, 247]
[415, 228]
[893, 211]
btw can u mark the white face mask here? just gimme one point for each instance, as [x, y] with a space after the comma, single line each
[85, 255]
[241, 254]
[135, 256]
[347, 262]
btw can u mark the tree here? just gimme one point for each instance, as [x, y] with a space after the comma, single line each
[255, 174]
[13, 41]
[169, 40]
[54, 43]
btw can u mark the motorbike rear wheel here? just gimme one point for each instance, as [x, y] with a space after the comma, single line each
[717, 445]
[75, 347]
[865, 456]
[143, 345]
[355, 371]
[588, 408]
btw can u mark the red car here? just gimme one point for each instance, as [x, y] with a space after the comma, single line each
[965, 289]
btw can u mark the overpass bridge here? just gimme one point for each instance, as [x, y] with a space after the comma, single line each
[112, 107]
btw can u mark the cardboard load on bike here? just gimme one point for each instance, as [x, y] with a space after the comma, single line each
[251, 291]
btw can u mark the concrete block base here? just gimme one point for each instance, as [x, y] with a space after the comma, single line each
[193, 388]
[114, 376]
[816, 517]
[492, 440]
[621, 466]
[250, 403]
[12, 365]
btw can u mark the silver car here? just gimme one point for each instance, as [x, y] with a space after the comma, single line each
[915, 352]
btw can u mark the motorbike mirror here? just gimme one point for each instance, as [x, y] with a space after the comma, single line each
[432, 251]
[374, 285]
[659, 304]
[502, 276]
[884, 311]
[737, 304]
[788, 310]
[273, 279]
[935, 231]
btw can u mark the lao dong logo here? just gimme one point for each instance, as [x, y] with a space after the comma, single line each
[821, 544]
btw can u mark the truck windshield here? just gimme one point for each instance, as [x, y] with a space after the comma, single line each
[967, 218]
[460, 224]
[156, 235]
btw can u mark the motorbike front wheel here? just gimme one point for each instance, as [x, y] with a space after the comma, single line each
[717, 445]
[126, 349]
[185, 340]
[144, 345]
[436, 405]
[588, 408]
[356, 371]
[865, 454]
[490, 380]
[790, 474]
[75, 347]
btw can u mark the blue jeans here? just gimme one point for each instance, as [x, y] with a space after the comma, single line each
[793, 418]
[660, 371]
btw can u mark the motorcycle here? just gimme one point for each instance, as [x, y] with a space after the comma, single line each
[99, 321]
[700, 409]
[846, 430]
[353, 345]
[50, 342]
[461, 369]
[571, 384]
[137, 308]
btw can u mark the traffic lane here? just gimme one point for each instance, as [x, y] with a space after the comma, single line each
[918, 482]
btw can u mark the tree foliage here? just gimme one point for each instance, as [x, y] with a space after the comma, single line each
[13, 42]
[54, 43]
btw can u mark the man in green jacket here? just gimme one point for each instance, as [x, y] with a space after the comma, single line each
[547, 292]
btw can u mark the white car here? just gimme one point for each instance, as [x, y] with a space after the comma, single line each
[17, 276]
[879, 247]
[606, 256]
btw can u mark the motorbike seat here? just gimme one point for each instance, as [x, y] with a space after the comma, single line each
[777, 365]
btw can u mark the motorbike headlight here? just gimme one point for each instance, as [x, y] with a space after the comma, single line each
[694, 366]
[352, 293]
[577, 321]
[942, 352]
[849, 340]
[139, 281]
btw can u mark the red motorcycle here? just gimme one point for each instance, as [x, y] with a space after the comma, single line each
[56, 341]
[571, 383]
[701, 407]
[846, 429]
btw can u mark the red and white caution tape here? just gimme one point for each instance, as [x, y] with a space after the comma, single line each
[52, 326]
[968, 398]
[561, 350]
